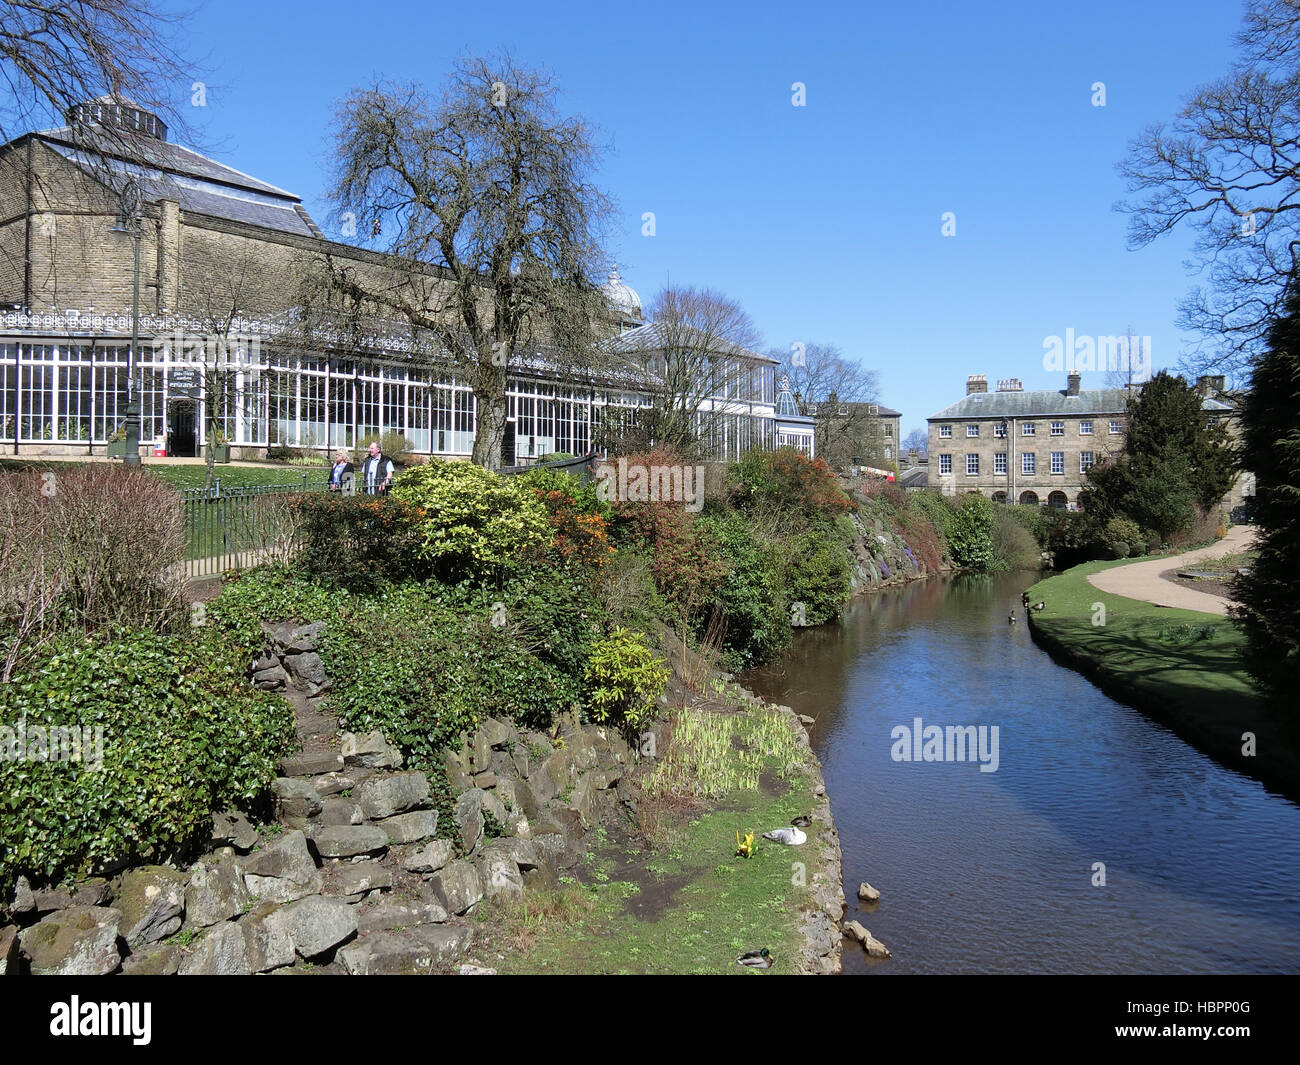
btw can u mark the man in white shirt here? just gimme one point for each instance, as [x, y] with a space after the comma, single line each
[377, 471]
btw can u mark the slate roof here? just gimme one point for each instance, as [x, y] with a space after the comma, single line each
[650, 337]
[1045, 404]
[199, 184]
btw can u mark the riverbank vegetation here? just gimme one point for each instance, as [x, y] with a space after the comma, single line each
[1184, 668]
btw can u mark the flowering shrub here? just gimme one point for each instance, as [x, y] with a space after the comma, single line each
[683, 568]
[579, 529]
[476, 524]
[787, 480]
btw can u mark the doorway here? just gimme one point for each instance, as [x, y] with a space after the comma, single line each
[182, 428]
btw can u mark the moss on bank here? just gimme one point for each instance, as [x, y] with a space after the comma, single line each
[1180, 667]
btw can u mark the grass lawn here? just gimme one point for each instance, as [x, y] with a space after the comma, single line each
[1180, 666]
[192, 476]
[688, 904]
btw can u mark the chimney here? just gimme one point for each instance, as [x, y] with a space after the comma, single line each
[1072, 383]
[1211, 385]
[1011, 384]
[976, 382]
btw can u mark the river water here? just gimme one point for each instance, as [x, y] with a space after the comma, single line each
[993, 872]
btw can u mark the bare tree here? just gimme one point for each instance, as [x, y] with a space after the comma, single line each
[695, 362]
[843, 396]
[1130, 371]
[1228, 167]
[917, 440]
[483, 201]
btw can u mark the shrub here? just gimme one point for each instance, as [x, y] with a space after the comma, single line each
[477, 524]
[751, 595]
[936, 507]
[817, 574]
[87, 548]
[394, 445]
[624, 681]
[361, 542]
[579, 529]
[970, 533]
[184, 734]
[1014, 546]
[1121, 538]
[667, 536]
[786, 480]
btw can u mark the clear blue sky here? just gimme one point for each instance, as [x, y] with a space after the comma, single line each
[824, 221]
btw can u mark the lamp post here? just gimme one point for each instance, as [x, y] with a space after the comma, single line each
[129, 222]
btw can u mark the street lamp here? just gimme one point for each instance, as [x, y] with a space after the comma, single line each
[129, 222]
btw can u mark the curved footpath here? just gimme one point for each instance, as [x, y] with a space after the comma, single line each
[1144, 580]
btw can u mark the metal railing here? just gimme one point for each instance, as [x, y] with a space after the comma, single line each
[236, 528]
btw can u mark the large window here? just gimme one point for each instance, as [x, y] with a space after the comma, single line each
[945, 431]
[1058, 461]
[1000, 462]
[973, 430]
[1085, 461]
[945, 464]
[972, 465]
[1028, 463]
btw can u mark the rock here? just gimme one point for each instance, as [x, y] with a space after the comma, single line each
[273, 678]
[819, 790]
[499, 875]
[95, 891]
[304, 638]
[355, 880]
[469, 818]
[867, 892]
[220, 951]
[348, 841]
[340, 812]
[8, 950]
[162, 959]
[295, 797]
[486, 780]
[413, 951]
[550, 848]
[553, 776]
[49, 899]
[518, 825]
[870, 943]
[390, 914]
[807, 721]
[370, 749]
[215, 893]
[457, 771]
[524, 853]
[457, 886]
[318, 924]
[23, 900]
[233, 829]
[520, 758]
[307, 672]
[493, 805]
[476, 970]
[429, 858]
[497, 733]
[333, 782]
[410, 828]
[321, 763]
[266, 660]
[268, 937]
[384, 796]
[284, 871]
[77, 941]
[152, 903]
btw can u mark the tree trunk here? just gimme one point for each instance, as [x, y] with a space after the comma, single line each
[490, 420]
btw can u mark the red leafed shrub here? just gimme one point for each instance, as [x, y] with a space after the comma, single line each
[678, 554]
[576, 536]
[787, 480]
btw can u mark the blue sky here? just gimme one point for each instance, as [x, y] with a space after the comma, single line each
[824, 221]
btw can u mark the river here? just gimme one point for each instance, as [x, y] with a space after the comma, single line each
[994, 872]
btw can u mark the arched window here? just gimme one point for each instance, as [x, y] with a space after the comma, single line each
[1029, 499]
[1057, 501]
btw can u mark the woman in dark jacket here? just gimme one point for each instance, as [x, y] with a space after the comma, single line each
[341, 473]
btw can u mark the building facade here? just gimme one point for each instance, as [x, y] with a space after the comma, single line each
[219, 255]
[1032, 447]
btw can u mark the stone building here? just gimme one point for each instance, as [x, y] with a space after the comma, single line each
[1029, 447]
[223, 257]
[857, 434]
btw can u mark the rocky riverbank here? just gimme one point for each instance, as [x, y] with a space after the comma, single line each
[370, 867]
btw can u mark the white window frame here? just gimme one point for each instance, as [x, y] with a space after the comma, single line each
[1000, 463]
[1116, 428]
[945, 464]
[1087, 460]
[1028, 428]
[972, 464]
[945, 431]
[1028, 462]
[1085, 427]
[1058, 428]
[972, 429]
[1058, 462]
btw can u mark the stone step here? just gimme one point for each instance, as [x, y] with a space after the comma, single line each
[306, 764]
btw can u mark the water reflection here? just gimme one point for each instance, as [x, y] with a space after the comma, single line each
[993, 872]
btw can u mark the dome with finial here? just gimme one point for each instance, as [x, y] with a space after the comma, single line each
[622, 297]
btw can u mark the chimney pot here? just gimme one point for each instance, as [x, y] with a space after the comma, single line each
[1072, 383]
[976, 382]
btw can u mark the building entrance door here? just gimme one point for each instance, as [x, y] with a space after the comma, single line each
[182, 429]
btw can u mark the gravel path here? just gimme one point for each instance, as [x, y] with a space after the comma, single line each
[1142, 580]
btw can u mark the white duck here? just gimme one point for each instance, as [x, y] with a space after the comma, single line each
[791, 837]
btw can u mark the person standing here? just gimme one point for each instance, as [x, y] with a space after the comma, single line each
[341, 473]
[377, 471]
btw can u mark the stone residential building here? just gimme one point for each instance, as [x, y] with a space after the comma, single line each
[222, 259]
[1033, 447]
[857, 434]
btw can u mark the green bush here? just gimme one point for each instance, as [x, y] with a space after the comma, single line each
[1121, 538]
[184, 734]
[788, 481]
[394, 445]
[970, 533]
[361, 542]
[624, 681]
[1014, 546]
[751, 595]
[817, 574]
[477, 524]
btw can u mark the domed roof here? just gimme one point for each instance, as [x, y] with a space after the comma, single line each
[621, 296]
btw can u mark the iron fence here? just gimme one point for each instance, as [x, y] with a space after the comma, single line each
[235, 528]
